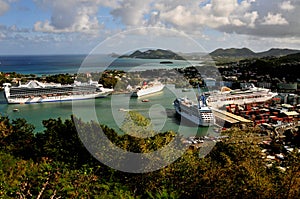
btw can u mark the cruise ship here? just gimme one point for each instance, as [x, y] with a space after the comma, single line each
[147, 89]
[38, 92]
[197, 113]
[247, 95]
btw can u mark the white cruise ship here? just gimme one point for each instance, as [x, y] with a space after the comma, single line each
[38, 92]
[200, 115]
[248, 95]
[147, 89]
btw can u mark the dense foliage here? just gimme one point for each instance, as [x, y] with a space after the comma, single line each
[55, 164]
[61, 78]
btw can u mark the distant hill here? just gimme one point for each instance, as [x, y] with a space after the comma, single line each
[233, 52]
[246, 53]
[277, 52]
[223, 55]
[154, 54]
[291, 58]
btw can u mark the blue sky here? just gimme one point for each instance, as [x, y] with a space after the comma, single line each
[80, 26]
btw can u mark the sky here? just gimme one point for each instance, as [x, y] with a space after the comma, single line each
[118, 26]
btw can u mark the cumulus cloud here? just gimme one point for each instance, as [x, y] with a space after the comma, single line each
[223, 7]
[70, 16]
[248, 17]
[4, 6]
[213, 14]
[286, 5]
[10, 30]
[233, 21]
[264, 19]
[274, 19]
[132, 12]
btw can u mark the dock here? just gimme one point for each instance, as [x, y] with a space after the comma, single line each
[226, 119]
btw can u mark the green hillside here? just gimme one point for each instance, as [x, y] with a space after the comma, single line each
[154, 54]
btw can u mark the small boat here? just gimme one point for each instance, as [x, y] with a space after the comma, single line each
[124, 110]
[166, 62]
[186, 90]
[145, 100]
[15, 110]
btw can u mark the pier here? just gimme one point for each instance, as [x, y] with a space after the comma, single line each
[226, 119]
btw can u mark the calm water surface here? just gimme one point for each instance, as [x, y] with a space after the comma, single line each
[105, 110]
[109, 111]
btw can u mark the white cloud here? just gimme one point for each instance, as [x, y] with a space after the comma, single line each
[286, 5]
[202, 19]
[2, 36]
[131, 12]
[251, 17]
[274, 19]
[12, 31]
[70, 16]
[4, 7]
[265, 19]
[214, 14]
[245, 16]
[223, 7]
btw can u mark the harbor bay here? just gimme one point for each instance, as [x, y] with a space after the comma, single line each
[252, 128]
[164, 119]
[149, 99]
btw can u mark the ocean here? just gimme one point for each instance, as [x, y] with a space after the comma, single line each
[57, 64]
[111, 110]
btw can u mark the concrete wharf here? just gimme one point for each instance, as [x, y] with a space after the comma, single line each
[226, 119]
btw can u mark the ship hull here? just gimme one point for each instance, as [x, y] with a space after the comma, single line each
[37, 92]
[220, 104]
[147, 91]
[191, 115]
[62, 98]
[194, 119]
[239, 97]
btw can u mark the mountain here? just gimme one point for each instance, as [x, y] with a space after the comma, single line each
[225, 55]
[246, 53]
[232, 52]
[277, 52]
[154, 54]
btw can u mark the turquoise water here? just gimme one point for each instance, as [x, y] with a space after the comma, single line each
[109, 111]
[55, 64]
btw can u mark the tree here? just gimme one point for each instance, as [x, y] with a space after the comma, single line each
[60, 142]
[17, 138]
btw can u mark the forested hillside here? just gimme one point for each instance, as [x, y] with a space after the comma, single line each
[55, 164]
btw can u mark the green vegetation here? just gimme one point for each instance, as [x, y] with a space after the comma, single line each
[234, 55]
[154, 54]
[61, 78]
[232, 52]
[283, 67]
[55, 164]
